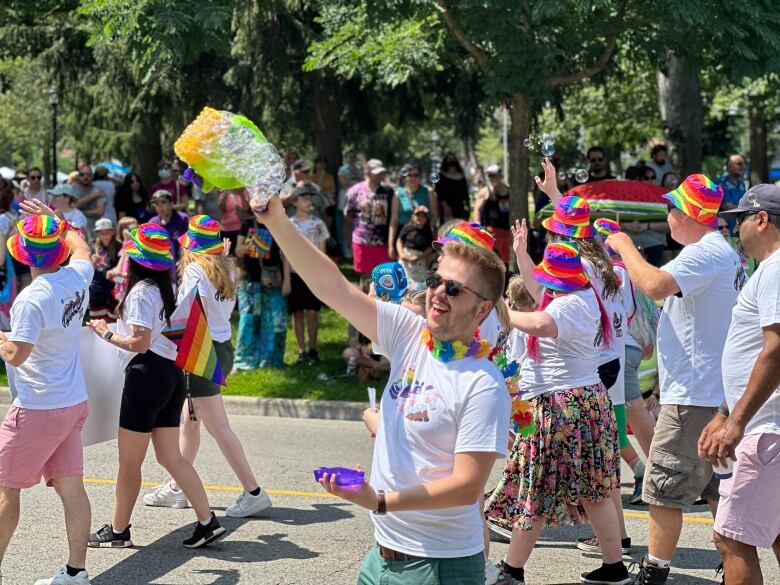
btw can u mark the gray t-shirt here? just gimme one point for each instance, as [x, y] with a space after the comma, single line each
[82, 191]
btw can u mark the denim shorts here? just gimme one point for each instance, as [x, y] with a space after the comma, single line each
[631, 372]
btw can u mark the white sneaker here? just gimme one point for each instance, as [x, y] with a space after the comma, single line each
[165, 496]
[249, 505]
[63, 578]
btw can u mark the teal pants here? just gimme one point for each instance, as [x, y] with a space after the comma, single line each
[376, 570]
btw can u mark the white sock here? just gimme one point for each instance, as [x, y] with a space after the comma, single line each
[660, 563]
[205, 522]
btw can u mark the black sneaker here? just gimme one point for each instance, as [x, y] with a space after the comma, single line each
[303, 358]
[313, 356]
[203, 535]
[519, 574]
[497, 528]
[615, 574]
[650, 574]
[591, 545]
[720, 573]
[636, 497]
[107, 538]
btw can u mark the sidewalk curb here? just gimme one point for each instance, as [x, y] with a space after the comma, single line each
[280, 407]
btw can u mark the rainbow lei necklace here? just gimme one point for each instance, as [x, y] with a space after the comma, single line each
[446, 351]
[522, 419]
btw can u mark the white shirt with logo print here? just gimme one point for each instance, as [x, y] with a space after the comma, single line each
[48, 314]
[431, 410]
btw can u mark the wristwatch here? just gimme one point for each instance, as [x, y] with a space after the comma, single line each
[381, 508]
[108, 335]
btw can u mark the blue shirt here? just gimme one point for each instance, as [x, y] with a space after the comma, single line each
[407, 202]
[732, 193]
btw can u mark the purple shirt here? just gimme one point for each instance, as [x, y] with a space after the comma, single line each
[371, 213]
[175, 227]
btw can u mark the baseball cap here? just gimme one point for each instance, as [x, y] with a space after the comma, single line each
[375, 166]
[421, 209]
[161, 194]
[764, 197]
[303, 190]
[62, 189]
[104, 223]
[493, 170]
[301, 165]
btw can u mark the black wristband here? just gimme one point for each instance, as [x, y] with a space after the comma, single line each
[724, 411]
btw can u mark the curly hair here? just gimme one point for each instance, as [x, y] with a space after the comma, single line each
[219, 269]
[518, 296]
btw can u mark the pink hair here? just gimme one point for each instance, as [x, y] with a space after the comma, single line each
[606, 325]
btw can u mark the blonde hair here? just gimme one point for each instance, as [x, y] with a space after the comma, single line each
[218, 268]
[519, 297]
[122, 224]
[490, 267]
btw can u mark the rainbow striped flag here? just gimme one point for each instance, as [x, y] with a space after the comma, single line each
[189, 330]
[262, 240]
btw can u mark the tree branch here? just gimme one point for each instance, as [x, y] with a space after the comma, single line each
[598, 67]
[478, 54]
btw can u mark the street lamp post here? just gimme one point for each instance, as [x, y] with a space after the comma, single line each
[54, 101]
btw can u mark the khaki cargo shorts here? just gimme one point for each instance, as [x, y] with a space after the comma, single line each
[675, 476]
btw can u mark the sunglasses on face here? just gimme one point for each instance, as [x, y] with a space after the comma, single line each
[452, 288]
[649, 177]
[599, 159]
[35, 177]
[741, 217]
[723, 228]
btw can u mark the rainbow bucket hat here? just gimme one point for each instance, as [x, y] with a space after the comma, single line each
[698, 198]
[606, 227]
[39, 243]
[150, 246]
[571, 218]
[470, 233]
[202, 236]
[561, 268]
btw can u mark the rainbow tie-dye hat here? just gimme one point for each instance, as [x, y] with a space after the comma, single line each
[571, 218]
[39, 243]
[470, 233]
[202, 236]
[698, 198]
[561, 268]
[150, 246]
[606, 227]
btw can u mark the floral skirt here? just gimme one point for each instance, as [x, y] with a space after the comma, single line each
[572, 455]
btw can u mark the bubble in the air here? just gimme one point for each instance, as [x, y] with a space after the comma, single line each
[548, 148]
[404, 171]
[546, 136]
[561, 176]
[434, 178]
[527, 142]
[581, 175]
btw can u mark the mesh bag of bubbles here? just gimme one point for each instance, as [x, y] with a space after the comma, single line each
[228, 151]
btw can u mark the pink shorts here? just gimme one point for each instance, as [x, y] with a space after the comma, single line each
[35, 443]
[749, 509]
[367, 257]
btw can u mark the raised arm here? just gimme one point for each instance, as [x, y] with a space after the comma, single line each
[320, 274]
[550, 184]
[654, 282]
[537, 323]
[393, 235]
[524, 261]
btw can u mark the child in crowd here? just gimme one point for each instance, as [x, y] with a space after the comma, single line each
[414, 247]
[63, 201]
[265, 281]
[518, 299]
[118, 274]
[105, 255]
[301, 301]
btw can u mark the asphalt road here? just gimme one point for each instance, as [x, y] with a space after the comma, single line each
[306, 538]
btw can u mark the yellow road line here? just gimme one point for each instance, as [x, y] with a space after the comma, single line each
[300, 494]
[221, 488]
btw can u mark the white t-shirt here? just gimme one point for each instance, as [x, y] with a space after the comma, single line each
[516, 344]
[48, 313]
[8, 223]
[692, 328]
[613, 306]
[491, 328]
[758, 305]
[143, 307]
[571, 359]
[77, 219]
[108, 187]
[313, 229]
[430, 411]
[629, 305]
[217, 308]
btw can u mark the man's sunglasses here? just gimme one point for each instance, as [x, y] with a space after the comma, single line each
[740, 217]
[649, 177]
[452, 288]
[35, 177]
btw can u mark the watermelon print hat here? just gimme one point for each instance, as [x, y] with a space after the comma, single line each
[571, 218]
[561, 268]
[472, 234]
[202, 236]
[39, 243]
[698, 198]
[149, 246]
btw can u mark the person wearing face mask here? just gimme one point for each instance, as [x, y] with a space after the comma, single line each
[452, 190]
[170, 181]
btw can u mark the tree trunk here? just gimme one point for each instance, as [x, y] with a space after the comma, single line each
[146, 135]
[327, 120]
[759, 167]
[520, 115]
[682, 115]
